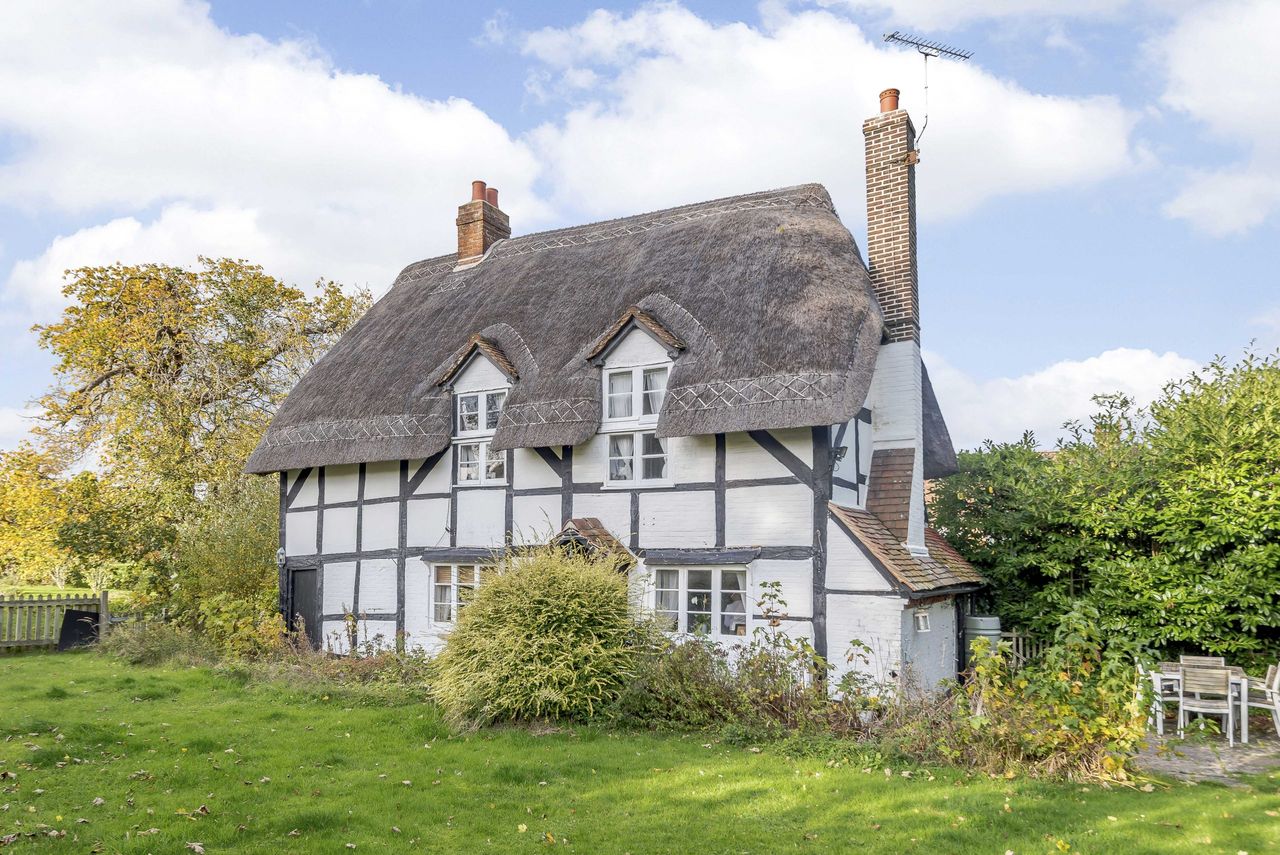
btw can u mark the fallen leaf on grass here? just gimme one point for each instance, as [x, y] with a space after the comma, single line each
[196, 848]
[522, 828]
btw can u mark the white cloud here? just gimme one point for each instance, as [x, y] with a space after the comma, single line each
[1002, 408]
[1216, 59]
[681, 109]
[246, 146]
[947, 14]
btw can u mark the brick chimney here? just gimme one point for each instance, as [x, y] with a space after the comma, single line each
[896, 486]
[891, 217]
[481, 223]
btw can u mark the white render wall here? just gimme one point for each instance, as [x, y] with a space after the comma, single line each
[897, 406]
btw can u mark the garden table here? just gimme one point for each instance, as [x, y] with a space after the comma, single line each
[1172, 672]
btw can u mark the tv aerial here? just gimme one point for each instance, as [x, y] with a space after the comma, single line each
[927, 49]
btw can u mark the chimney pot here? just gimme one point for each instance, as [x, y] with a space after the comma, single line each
[889, 100]
[477, 191]
[491, 196]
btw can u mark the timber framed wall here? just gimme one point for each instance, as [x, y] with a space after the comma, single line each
[757, 499]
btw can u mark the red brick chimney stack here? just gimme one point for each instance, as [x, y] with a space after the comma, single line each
[481, 223]
[891, 217]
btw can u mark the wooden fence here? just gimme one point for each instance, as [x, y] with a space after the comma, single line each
[35, 620]
[1024, 648]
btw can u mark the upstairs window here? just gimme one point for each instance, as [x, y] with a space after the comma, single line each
[478, 412]
[635, 394]
[637, 458]
[479, 464]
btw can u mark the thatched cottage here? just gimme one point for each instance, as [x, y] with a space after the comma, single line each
[726, 389]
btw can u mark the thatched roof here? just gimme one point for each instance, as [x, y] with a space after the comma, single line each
[766, 293]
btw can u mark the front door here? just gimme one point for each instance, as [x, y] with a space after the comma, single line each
[306, 603]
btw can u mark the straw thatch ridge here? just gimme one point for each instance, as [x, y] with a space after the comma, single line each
[767, 292]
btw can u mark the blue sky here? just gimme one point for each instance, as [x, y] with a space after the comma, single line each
[1098, 190]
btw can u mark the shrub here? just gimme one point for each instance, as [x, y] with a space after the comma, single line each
[1079, 713]
[226, 583]
[549, 633]
[772, 685]
[156, 643]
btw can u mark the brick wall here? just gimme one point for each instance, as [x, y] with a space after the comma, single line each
[891, 221]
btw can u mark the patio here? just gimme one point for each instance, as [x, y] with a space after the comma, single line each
[1246, 710]
[1208, 759]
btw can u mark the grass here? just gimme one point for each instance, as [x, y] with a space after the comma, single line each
[182, 756]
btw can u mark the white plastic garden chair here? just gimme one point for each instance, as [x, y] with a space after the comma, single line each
[1165, 693]
[1206, 691]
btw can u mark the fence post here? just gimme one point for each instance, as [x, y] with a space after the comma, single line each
[104, 615]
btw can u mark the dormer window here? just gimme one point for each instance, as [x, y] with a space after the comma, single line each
[635, 394]
[478, 412]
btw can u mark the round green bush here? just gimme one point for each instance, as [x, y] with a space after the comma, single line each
[548, 634]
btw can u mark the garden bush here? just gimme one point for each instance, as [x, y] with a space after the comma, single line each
[1079, 712]
[550, 633]
[771, 685]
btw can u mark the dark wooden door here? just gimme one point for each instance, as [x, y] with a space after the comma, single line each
[306, 603]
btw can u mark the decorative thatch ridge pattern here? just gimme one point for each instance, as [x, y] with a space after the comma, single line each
[767, 292]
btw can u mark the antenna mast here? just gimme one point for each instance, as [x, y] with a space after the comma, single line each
[927, 49]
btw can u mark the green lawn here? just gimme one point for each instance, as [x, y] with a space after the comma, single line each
[181, 756]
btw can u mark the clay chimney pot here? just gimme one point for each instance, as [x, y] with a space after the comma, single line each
[491, 196]
[889, 100]
[478, 191]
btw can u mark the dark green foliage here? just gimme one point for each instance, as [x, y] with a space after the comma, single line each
[1166, 520]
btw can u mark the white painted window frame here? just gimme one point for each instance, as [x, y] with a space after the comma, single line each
[482, 398]
[717, 599]
[637, 419]
[483, 451]
[637, 481]
[454, 589]
[919, 625]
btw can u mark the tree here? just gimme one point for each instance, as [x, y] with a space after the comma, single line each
[172, 374]
[30, 516]
[1167, 520]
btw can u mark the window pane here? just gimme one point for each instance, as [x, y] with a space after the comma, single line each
[496, 465]
[620, 469]
[668, 580]
[733, 602]
[443, 613]
[699, 624]
[466, 575]
[655, 468]
[620, 395]
[668, 621]
[699, 601]
[493, 408]
[655, 386]
[700, 580]
[444, 598]
[468, 462]
[444, 574]
[654, 457]
[653, 445]
[468, 412]
[621, 449]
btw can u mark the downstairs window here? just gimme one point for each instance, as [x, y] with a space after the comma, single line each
[702, 601]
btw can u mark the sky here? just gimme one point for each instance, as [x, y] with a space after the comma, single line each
[1099, 186]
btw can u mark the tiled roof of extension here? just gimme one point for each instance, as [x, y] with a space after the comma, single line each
[943, 567]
